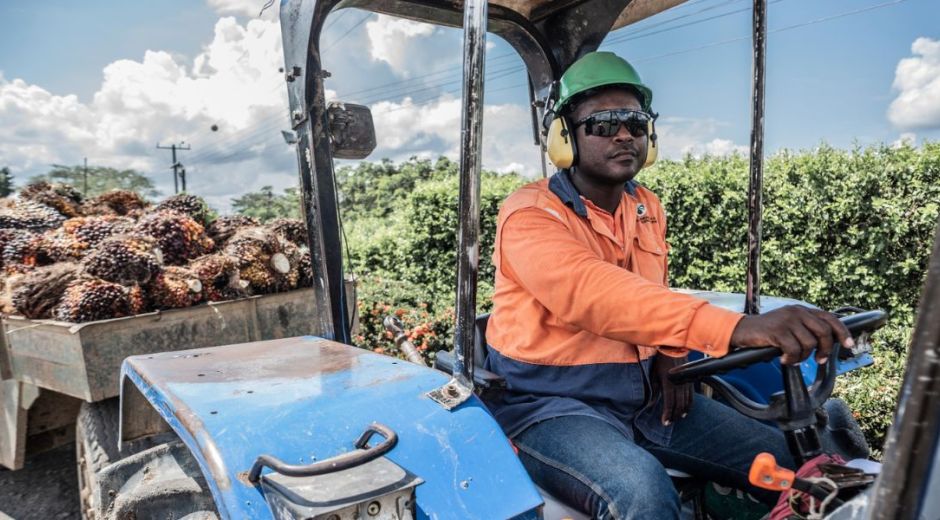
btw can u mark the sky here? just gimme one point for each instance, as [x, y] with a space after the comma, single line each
[110, 80]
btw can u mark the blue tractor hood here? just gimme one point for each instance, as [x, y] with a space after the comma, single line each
[307, 399]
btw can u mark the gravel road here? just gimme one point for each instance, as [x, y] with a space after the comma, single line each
[47, 488]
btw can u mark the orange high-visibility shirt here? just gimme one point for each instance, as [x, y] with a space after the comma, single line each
[569, 291]
[581, 303]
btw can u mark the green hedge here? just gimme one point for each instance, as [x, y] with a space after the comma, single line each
[841, 227]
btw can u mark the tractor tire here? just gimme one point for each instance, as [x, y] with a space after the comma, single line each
[155, 477]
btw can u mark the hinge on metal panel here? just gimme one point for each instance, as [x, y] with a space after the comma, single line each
[450, 395]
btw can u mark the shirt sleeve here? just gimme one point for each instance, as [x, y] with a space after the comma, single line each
[579, 287]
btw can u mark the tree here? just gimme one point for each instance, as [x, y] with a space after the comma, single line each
[6, 182]
[264, 205]
[100, 179]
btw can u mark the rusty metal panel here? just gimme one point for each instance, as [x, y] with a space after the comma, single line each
[84, 360]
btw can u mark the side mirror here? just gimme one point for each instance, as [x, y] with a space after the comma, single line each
[352, 131]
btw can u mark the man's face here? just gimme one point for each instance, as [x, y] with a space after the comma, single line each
[609, 160]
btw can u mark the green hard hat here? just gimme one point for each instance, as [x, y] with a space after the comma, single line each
[597, 69]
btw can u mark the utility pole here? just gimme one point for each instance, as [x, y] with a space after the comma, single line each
[176, 165]
[85, 178]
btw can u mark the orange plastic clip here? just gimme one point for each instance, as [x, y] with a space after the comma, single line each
[766, 474]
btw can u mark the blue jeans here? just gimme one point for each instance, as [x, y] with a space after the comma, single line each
[589, 465]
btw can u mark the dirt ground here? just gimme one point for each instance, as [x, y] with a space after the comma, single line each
[47, 488]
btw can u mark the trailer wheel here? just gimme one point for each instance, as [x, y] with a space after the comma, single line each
[96, 446]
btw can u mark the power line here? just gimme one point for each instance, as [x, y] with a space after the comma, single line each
[510, 70]
[345, 34]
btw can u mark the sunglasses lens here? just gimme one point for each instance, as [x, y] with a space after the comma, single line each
[607, 123]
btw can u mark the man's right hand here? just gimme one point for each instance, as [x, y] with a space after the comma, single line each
[795, 330]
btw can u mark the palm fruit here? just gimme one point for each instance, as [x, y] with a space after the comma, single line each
[27, 214]
[223, 228]
[60, 197]
[116, 202]
[78, 236]
[179, 237]
[261, 260]
[219, 274]
[191, 205]
[293, 252]
[305, 268]
[93, 299]
[125, 259]
[175, 287]
[291, 229]
[36, 293]
[24, 247]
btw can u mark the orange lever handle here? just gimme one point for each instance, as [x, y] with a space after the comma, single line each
[766, 474]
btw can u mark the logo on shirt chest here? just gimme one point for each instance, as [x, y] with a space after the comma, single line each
[642, 215]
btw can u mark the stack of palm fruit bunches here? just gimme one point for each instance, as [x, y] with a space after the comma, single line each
[68, 258]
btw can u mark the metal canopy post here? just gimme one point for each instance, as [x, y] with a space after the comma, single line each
[471, 137]
[908, 475]
[755, 187]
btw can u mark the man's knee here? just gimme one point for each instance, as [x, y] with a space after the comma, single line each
[642, 491]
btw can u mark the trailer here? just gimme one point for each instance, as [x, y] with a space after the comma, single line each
[49, 368]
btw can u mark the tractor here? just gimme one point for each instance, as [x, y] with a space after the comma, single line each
[314, 428]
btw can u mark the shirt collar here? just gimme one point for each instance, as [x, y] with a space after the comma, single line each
[564, 189]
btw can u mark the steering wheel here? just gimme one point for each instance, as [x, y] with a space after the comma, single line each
[794, 409]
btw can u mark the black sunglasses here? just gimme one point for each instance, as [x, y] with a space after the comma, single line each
[606, 123]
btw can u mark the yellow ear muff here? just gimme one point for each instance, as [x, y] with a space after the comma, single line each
[560, 145]
[652, 144]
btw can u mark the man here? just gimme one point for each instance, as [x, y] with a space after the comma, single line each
[584, 327]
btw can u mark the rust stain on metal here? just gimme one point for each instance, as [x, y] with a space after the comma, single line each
[243, 478]
[284, 358]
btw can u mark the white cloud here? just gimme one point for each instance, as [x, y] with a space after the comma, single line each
[407, 46]
[408, 129]
[905, 139]
[918, 81]
[233, 83]
[697, 137]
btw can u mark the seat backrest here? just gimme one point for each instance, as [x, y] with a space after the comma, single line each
[479, 340]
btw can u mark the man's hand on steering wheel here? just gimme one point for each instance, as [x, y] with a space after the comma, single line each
[677, 399]
[795, 330]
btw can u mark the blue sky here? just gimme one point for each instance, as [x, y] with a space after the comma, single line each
[110, 79]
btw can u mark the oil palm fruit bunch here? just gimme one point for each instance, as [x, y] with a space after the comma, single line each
[79, 235]
[293, 252]
[219, 274]
[125, 259]
[179, 237]
[175, 287]
[305, 268]
[60, 197]
[92, 299]
[261, 260]
[36, 293]
[291, 229]
[191, 205]
[223, 228]
[27, 214]
[24, 247]
[116, 202]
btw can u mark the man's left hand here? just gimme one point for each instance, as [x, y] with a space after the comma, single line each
[677, 399]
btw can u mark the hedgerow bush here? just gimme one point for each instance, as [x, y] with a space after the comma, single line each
[841, 227]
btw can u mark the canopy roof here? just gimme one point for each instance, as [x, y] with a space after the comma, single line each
[536, 10]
